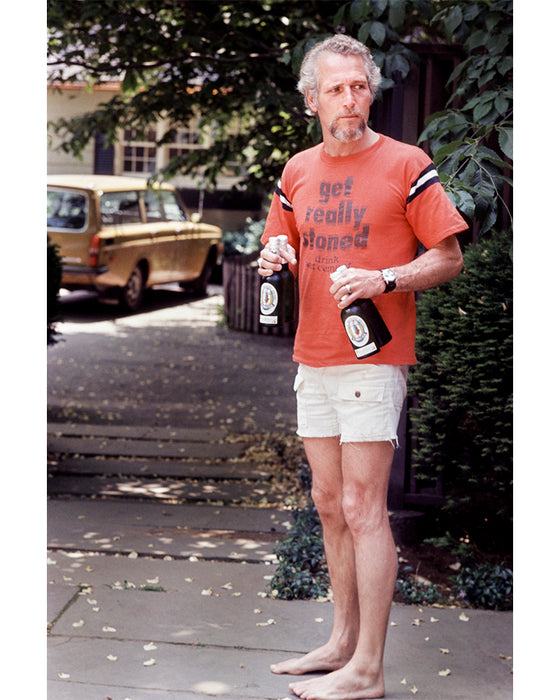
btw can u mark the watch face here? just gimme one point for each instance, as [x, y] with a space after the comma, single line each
[389, 276]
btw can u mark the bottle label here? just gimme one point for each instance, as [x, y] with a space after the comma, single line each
[358, 332]
[269, 299]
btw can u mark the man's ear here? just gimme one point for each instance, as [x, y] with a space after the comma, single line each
[311, 102]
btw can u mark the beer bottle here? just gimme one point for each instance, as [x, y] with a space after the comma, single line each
[272, 297]
[289, 283]
[363, 324]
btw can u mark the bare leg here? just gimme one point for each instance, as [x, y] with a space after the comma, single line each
[325, 459]
[366, 468]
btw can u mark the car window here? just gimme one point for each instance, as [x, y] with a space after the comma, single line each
[120, 208]
[154, 206]
[67, 209]
[173, 209]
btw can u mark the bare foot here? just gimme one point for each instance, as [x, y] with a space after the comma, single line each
[344, 684]
[321, 659]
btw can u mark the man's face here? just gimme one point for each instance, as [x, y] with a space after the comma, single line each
[344, 96]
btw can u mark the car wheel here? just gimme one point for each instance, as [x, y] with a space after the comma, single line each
[199, 286]
[132, 293]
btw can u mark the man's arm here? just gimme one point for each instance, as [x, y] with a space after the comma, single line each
[437, 265]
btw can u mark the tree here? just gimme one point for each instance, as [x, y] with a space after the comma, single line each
[227, 62]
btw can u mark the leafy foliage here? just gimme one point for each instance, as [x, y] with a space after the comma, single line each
[413, 593]
[302, 568]
[227, 63]
[54, 278]
[245, 241]
[464, 387]
[486, 586]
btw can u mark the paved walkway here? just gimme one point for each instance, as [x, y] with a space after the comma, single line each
[158, 570]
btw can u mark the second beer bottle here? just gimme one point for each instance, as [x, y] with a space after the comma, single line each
[272, 294]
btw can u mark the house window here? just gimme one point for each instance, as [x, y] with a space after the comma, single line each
[139, 151]
[185, 140]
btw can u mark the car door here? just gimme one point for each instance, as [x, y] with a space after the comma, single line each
[163, 233]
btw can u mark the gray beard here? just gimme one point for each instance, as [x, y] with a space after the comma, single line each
[348, 134]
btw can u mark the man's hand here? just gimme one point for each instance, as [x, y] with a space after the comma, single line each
[270, 262]
[437, 265]
[356, 283]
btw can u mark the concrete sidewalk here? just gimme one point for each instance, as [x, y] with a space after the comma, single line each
[138, 628]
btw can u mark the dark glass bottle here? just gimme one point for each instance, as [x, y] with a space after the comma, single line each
[289, 284]
[272, 296]
[363, 324]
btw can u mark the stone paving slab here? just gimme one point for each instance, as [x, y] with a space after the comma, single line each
[178, 671]
[138, 432]
[143, 448]
[89, 515]
[235, 534]
[163, 467]
[159, 489]
[422, 643]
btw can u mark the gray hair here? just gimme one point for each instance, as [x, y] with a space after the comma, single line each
[338, 44]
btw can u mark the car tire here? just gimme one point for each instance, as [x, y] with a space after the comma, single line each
[199, 286]
[132, 294]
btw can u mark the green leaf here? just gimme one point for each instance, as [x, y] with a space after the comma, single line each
[481, 110]
[505, 138]
[397, 13]
[452, 21]
[363, 32]
[377, 32]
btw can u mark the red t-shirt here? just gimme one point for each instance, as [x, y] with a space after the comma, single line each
[367, 210]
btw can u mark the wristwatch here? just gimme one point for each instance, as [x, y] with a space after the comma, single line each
[390, 279]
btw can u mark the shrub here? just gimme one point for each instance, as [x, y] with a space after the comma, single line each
[463, 384]
[246, 241]
[485, 586]
[302, 568]
[414, 593]
[54, 278]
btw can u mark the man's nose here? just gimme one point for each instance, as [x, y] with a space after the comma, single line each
[348, 97]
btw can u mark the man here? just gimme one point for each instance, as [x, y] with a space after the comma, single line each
[364, 200]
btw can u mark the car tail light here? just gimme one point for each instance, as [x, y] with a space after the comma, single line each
[94, 251]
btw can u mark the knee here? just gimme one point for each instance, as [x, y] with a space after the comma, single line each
[362, 510]
[328, 502]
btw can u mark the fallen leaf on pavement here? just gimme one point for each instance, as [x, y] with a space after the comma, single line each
[414, 690]
[265, 624]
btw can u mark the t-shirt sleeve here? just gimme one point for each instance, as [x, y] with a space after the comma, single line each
[429, 210]
[281, 219]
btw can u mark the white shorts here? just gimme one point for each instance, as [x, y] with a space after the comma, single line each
[359, 403]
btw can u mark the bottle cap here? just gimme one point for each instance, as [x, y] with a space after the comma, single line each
[338, 272]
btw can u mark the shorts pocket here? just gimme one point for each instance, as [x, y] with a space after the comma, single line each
[368, 392]
[298, 381]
